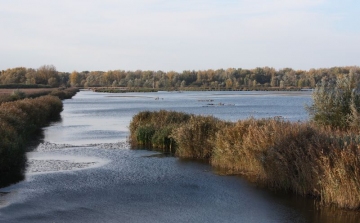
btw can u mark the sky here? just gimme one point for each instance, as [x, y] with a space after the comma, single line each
[179, 34]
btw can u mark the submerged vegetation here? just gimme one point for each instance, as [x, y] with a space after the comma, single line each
[19, 120]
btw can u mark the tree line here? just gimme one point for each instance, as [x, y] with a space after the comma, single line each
[231, 78]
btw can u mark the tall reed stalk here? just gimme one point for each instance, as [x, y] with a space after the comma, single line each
[18, 121]
[304, 158]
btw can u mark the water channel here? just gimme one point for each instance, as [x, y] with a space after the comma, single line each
[84, 171]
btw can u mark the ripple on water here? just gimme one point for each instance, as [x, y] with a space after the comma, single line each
[42, 160]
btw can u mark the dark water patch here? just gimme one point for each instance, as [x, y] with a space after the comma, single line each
[160, 155]
[36, 139]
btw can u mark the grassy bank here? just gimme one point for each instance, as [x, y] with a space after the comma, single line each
[7, 95]
[19, 120]
[298, 157]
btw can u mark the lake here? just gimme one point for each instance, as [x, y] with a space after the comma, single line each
[84, 171]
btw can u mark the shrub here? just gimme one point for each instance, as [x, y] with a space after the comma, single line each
[336, 103]
[12, 155]
[5, 98]
[66, 93]
[17, 94]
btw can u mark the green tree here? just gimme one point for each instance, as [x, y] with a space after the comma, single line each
[336, 103]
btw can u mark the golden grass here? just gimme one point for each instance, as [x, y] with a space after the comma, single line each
[300, 157]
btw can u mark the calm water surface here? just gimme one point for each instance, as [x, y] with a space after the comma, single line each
[83, 171]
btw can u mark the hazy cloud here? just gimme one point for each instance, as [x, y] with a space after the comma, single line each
[178, 35]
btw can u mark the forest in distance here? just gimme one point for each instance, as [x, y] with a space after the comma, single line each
[221, 79]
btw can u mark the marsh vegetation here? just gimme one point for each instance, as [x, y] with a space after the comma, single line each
[319, 158]
[9, 94]
[19, 120]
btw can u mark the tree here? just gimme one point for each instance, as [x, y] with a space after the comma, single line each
[74, 79]
[53, 82]
[30, 76]
[229, 83]
[273, 82]
[336, 103]
[13, 76]
[44, 73]
[130, 84]
[183, 84]
[282, 84]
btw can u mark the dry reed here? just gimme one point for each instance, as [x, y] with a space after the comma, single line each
[18, 120]
[300, 157]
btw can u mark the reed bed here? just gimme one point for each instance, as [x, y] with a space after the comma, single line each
[8, 95]
[196, 137]
[153, 130]
[18, 121]
[303, 158]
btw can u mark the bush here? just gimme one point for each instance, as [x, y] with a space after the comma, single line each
[12, 155]
[66, 93]
[336, 103]
[14, 86]
[17, 95]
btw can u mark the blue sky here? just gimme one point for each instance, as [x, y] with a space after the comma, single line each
[179, 35]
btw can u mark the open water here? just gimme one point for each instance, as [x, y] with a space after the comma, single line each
[84, 171]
